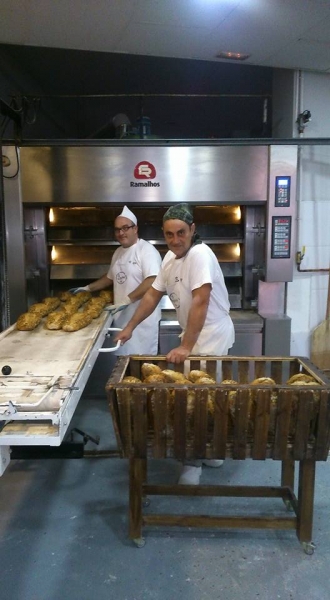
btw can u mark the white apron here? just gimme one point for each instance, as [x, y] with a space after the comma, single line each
[130, 266]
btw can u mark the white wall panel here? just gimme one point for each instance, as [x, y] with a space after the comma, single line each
[307, 294]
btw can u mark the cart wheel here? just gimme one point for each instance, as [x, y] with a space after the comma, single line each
[288, 505]
[308, 547]
[139, 542]
[145, 501]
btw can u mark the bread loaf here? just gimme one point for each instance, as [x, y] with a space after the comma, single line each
[149, 369]
[263, 381]
[77, 321]
[56, 320]
[107, 295]
[205, 380]
[28, 321]
[130, 379]
[64, 296]
[40, 308]
[194, 375]
[174, 376]
[71, 306]
[52, 302]
[302, 377]
[94, 307]
[154, 378]
[83, 296]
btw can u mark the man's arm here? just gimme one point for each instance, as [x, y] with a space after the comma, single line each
[144, 286]
[147, 305]
[100, 284]
[196, 320]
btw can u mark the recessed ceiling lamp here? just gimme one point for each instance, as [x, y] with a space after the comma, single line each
[232, 55]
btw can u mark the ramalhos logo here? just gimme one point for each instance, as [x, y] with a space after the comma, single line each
[144, 170]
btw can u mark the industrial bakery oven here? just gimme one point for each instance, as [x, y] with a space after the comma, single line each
[242, 197]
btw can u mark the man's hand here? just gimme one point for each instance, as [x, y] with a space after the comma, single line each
[114, 308]
[79, 289]
[177, 355]
[124, 335]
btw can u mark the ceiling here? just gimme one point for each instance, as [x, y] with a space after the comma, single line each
[290, 34]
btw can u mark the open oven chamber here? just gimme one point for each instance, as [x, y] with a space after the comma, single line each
[71, 246]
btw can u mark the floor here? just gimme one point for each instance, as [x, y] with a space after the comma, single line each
[64, 533]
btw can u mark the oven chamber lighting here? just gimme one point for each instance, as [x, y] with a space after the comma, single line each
[238, 213]
[237, 250]
[53, 253]
[51, 216]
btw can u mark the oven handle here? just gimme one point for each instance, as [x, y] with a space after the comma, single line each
[118, 343]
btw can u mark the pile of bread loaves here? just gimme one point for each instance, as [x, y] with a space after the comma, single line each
[151, 373]
[69, 312]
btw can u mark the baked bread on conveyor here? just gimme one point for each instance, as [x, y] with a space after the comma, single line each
[28, 321]
[40, 308]
[77, 321]
[55, 320]
[71, 306]
[94, 307]
[64, 296]
[107, 295]
[83, 296]
[52, 302]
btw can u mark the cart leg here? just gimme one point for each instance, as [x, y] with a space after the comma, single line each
[136, 472]
[305, 504]
[145, 499]
[287, 478]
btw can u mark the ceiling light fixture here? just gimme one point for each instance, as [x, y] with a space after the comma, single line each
[232, 55]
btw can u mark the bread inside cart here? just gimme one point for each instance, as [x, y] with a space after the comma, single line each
[222, 407]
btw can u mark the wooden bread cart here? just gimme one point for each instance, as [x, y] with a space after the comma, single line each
[215, 421]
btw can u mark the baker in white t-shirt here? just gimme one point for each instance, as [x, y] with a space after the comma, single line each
[191, 276]
[133, 268]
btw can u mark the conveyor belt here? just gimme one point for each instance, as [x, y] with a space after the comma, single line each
[49, 370]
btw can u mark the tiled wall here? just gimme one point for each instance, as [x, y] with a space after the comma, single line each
[294, 92]
[307, 294]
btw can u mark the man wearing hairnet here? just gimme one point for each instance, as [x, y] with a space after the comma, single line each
[133, 268]
[191, 276]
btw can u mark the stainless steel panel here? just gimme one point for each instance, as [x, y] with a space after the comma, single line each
[91, 175]
[283, 162]
[248, 334]
[247, 344]
[169, 332]
[277, 334]
[271, 297]
[15, 263]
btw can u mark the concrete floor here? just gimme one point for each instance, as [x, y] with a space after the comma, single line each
[64, 533]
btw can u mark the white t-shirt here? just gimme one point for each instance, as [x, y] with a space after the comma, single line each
[179, 277]
[128, 268]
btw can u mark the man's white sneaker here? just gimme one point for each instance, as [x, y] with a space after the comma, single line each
[190, 475]
[212, 462]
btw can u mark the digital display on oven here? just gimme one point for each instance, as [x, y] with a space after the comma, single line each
[282, 191]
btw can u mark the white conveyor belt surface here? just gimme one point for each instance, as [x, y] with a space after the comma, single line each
[49, 370]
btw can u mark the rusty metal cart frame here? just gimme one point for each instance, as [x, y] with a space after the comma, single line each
[297, 428]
